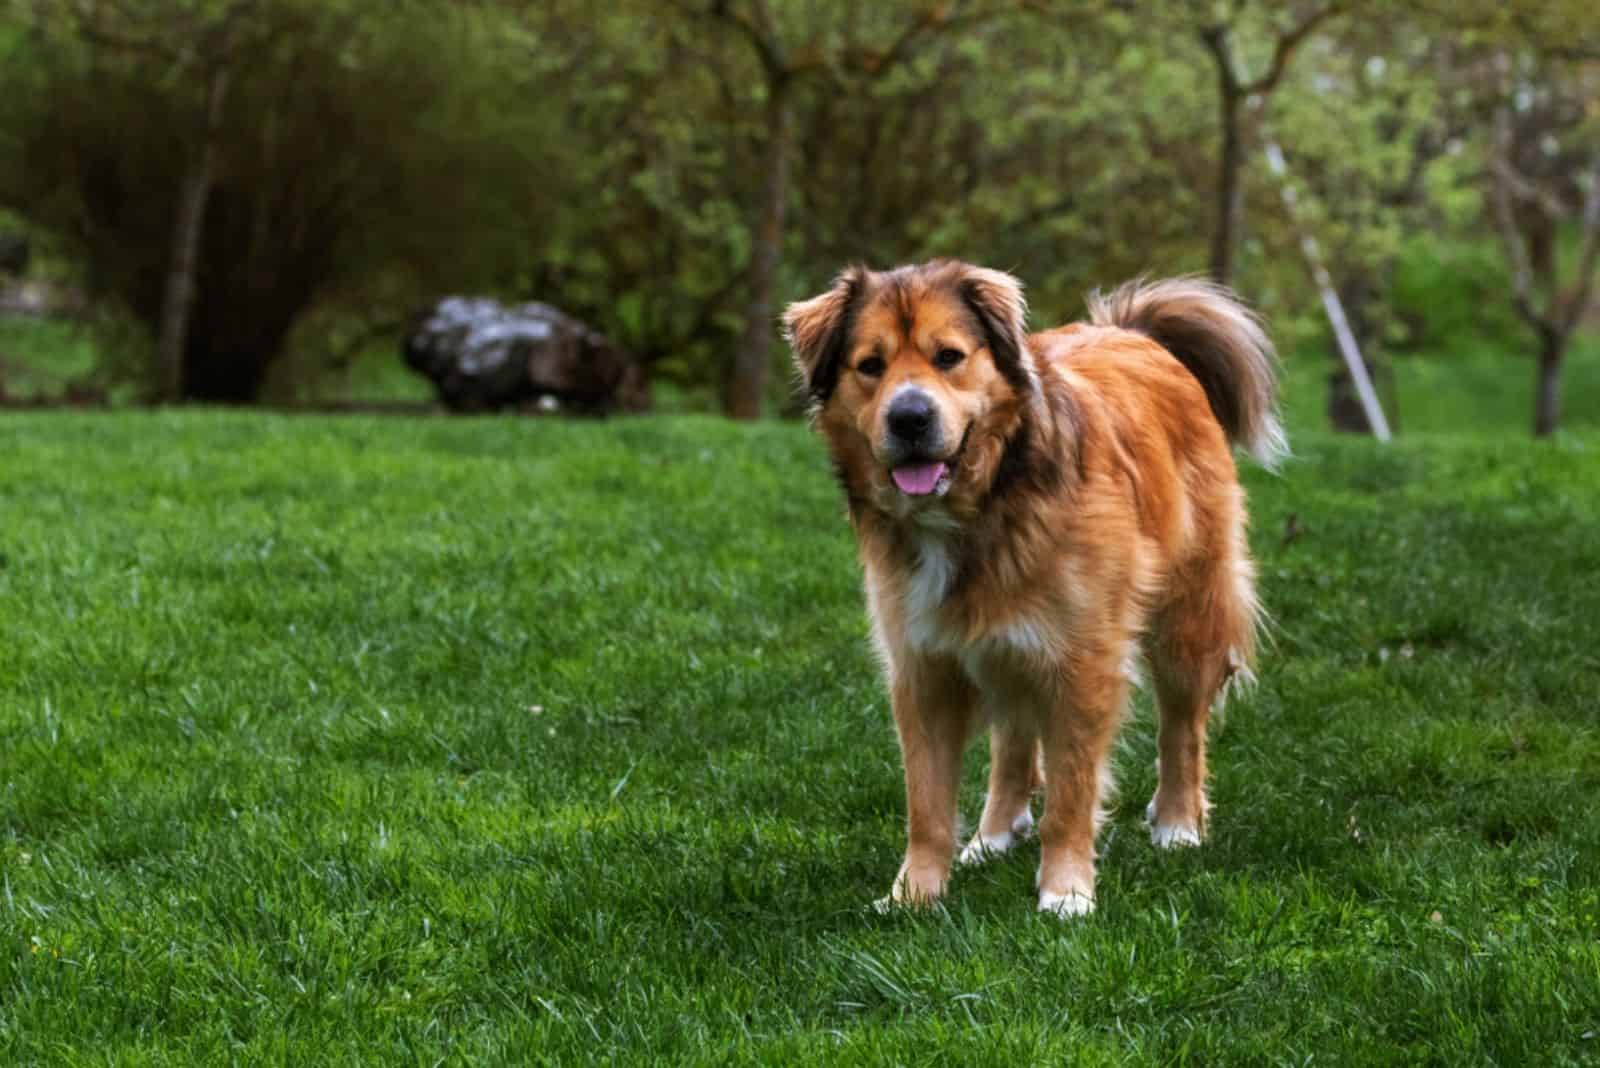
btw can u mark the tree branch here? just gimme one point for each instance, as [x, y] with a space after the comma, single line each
[179, 45]
[1506, 224]
[758, 31]
[929, 22]
[1284, 49]
[901, 46]
[1589, 258]
[94, 31]
[1528, 191]
[1218, 41]
[1541, 39]
[1051, 10]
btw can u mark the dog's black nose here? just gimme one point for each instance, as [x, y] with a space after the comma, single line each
[910, 415]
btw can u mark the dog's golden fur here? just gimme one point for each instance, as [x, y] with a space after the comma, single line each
[1089, 512]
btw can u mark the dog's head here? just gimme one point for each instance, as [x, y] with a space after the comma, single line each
[917, 377]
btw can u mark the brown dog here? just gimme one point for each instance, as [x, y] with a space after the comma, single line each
[1033, 511]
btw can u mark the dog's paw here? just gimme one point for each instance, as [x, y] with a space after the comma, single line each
[1065, 906]
[889, 904]
[1169, 835]
[919, 887]
[1174, 836]
[986, 847]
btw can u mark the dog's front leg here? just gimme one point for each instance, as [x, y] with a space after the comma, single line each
[1078, 731]
[933, 710]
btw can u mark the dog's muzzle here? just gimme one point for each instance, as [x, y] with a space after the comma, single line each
[913, 421]
[920, 461]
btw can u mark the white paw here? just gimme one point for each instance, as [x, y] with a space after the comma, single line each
[1150, 812]
[985, 847]
[1173, 836]
[900, 899]
[1067, 905]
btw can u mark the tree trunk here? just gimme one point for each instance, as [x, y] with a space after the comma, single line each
[1547, 402]
[177, 303]
[1230, 190]
[235, 377]
[755, 347]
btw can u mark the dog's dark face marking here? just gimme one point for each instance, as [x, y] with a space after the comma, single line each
[819, 331]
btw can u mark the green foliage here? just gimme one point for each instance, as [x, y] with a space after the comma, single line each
[362, 154]
[642, 229]
[352, 740]
[609, 160]
[1449, 297]
[40, 358]
[1074, 147]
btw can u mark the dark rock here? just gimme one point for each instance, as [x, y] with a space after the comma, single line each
[482, 355]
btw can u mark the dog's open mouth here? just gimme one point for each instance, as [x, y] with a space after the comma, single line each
[920, 478]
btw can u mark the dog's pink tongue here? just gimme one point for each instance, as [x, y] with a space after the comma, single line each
[918, 480]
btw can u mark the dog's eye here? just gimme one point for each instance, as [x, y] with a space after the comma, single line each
[945, 359]
[872, 366]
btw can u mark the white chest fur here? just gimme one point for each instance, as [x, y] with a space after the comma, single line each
[926, 588]
[932, 625]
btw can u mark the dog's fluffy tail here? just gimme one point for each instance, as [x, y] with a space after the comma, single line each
[1219, 340]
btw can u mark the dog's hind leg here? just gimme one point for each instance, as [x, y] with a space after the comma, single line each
[1177, 813]
[1198, 643]
[1013, 777]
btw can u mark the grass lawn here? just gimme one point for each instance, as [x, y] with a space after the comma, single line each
[364, 740]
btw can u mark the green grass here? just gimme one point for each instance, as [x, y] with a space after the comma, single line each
[354, 740]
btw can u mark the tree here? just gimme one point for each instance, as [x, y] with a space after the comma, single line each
[783, 66]
[196, 35]
[1363, 171]
[911, 147]
[1526, 79]
[216, 45]
[1544, 178]
[1236, 93]
[780, 69]
[219, 236]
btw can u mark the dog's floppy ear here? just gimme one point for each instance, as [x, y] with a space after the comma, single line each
[995, 298]
[818, 330]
